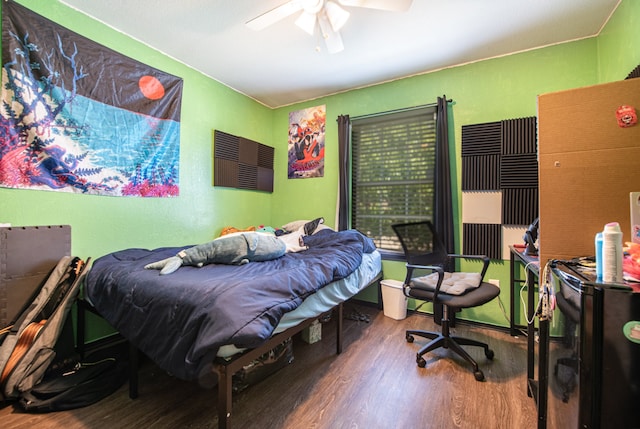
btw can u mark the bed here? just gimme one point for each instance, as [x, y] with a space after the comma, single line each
[219, 317]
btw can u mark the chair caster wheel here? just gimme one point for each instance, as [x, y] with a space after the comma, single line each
[421, 362]
[409, 338]
[479, 375]
[489, 354]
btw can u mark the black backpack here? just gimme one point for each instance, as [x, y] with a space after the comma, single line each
[86, 384]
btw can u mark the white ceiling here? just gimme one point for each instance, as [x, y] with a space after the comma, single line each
[280, 65]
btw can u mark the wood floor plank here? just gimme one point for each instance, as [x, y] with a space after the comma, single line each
[374, 383]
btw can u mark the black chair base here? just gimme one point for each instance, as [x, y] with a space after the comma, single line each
[446, 341]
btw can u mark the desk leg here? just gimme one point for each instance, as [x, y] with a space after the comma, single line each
[531, 328]
[512, 300]
[543, 373]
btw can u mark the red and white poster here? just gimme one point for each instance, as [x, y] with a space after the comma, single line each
[306, 142]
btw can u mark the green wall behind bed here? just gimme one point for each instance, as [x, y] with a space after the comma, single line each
[101, 224]
[490, 90]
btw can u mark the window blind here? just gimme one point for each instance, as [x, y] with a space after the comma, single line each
[393, 164]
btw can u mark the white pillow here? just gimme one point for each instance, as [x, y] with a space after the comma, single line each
[452, 284]
[295, 225]
[299, 225]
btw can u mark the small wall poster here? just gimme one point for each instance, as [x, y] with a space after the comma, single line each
[306, 142]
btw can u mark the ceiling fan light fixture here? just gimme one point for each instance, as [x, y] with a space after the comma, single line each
[337, 15]
[328, 15]
[307, 22]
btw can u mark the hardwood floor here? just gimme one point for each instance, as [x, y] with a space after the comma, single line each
[374, 383]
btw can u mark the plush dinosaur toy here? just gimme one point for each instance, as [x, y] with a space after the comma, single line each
[232, 249]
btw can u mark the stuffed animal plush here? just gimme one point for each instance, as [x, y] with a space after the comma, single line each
[233, 249]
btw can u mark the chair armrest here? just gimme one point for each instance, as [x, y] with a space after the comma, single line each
[407, 280]
[485, 262]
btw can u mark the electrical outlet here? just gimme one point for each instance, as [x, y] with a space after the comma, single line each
[495, 282]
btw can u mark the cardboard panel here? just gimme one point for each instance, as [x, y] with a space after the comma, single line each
[584, 119]
[588, 166]
[579, 194]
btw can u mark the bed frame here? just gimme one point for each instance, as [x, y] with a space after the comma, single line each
[225, 368]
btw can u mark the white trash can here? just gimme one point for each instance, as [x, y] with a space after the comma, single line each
[394, 303]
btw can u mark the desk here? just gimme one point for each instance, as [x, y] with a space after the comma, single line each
[531, 267]
[536, 388]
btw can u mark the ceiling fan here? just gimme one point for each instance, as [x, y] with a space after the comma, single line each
[329, 15]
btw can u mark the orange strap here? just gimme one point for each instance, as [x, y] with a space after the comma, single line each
[27, 337]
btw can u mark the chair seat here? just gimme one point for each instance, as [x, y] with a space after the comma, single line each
[472, 298]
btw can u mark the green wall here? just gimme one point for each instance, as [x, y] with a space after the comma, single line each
[485, 91]
[103, 224]
[619, 43]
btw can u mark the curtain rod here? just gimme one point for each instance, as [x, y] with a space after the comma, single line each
[406, 109]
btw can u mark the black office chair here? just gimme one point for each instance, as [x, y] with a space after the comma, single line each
[424, 250]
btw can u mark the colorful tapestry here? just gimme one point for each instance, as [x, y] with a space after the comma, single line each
[79, 117]
[306, 142]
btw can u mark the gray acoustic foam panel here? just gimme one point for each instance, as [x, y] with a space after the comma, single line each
[499, 157]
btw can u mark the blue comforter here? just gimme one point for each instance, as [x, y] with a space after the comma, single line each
[180, 320]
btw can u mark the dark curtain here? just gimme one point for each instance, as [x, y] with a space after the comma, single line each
[443, 208]
[344, 133]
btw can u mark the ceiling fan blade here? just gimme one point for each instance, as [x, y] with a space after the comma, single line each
[392, 5]
[307, 21]
[332, 39]
[274, 15]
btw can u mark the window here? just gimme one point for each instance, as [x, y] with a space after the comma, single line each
[392, 178]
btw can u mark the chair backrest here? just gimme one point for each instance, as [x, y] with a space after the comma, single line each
[421, 244]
